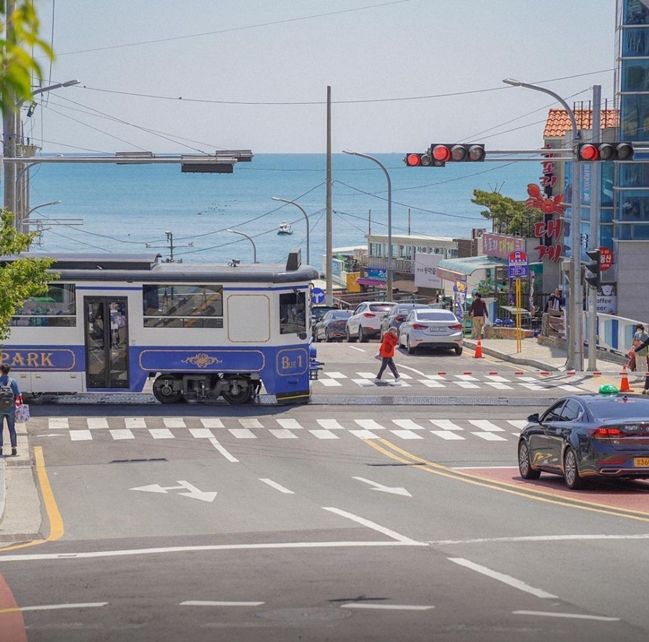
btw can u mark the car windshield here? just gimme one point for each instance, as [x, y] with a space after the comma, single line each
[619, 408]
[436, 315]
[400, 309]
[380, 307]
[340, 314]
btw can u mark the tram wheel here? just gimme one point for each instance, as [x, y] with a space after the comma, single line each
[240, 391]
[163, 389]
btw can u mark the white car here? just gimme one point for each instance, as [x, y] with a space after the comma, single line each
[365, 321]
[431, 329]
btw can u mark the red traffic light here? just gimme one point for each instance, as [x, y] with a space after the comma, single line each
[421, 160]
[413, 160]
[588, 152]
[458, 153]
[441, 153]
[593, 152]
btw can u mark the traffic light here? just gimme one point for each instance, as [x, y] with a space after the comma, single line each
[593, 273]
[421, 160]
[592, 152]
[470, 153]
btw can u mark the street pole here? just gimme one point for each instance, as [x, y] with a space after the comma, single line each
[254, 247]
[595, 199]
[387, 176]
[9, 122]
[306, 218]
[574, 322]
[329, 296]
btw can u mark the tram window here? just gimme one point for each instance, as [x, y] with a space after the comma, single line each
[57, 308]
[182, 306]
[292, 313]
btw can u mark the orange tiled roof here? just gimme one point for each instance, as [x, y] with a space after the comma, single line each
[558, 122]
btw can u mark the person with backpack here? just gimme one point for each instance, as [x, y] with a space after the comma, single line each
[9, 393]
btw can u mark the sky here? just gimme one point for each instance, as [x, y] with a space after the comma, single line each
[202, 75]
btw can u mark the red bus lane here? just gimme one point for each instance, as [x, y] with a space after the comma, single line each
[625, 495]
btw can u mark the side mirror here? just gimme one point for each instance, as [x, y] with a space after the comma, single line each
[534, 419]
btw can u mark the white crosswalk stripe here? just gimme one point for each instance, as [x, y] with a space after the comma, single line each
[246, 428]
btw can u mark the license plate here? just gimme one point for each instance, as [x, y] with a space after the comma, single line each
[437, 330]
[641, 462]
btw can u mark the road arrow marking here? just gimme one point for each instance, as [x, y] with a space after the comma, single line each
[194, 493]
[385, 489]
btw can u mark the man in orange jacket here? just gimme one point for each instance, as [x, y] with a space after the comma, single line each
[386, 351]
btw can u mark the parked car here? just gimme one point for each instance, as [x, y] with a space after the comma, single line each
[332, 326]
[431, 329]
[317, 312]
[587, 436]
[365, 321]
[398, 314]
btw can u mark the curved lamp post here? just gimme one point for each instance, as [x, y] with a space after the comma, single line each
[387, 176]
[306, 218]
[254, 247]
[575, 343]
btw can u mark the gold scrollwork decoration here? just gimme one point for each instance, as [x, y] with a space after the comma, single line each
[202, 360]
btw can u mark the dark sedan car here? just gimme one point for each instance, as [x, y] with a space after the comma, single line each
[397, 315]
[332, 326]
[587, 436]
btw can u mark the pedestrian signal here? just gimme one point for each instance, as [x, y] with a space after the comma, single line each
[592, 152]
[593, 273]
[470, 153]
[421, 160]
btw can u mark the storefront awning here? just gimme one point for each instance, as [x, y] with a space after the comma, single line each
[458, 269]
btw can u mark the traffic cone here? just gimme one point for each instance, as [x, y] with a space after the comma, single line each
[478, 350]
[624, 384]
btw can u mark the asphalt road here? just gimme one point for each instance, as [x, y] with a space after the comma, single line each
[354, 521]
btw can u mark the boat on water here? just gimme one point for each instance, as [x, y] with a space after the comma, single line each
[285, 228]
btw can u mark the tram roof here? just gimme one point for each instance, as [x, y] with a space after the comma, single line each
[147, 268]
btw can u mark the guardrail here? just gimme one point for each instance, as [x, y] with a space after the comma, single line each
[614, 334]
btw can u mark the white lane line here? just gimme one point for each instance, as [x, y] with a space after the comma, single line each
[58, 423]
[489, 436]
[463, 377]
[429, 383]
[485, 424]
[205, 433]
[330, 424]
[329, 383]
[406, 434]
[445, 424]
[161, 433]
[386, 607]
[570, 388]
[501, 577]
[364, 383]
[95, 423]
[576, 616]
[465, 384]
[335, 375]
[355, 348]
[122, 433]
[499, 386]
[52, 607]
[134, 422]
[374, 526]
[369, 424]
[497, 378]
[417, 372]
[276, 486]
[282, 433]
[212, 422]
[324, 434]
[363, 434]
[517, 423]
[366, 375]
[250, 422]
[407, 424]
[210, 603]
[174, 422]
[80, 435]
[289, 424]
[448, 435]
[537, 538]
[242, 433]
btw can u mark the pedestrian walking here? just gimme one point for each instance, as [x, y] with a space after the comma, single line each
[386, 351]
[639, 358]
[478, 313]
[9, 393]
[637, 350]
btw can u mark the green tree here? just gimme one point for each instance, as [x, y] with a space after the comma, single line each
[507, 216]
[19, 23]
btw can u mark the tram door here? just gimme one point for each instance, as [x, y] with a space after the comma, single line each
[106, 324]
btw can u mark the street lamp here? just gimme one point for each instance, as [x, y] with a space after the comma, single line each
[387, 176]
[42, 205]
[575, 343]
[306, 218]
[254, 247]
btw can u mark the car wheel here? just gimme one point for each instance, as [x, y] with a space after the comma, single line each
[328, 339]
[362, 336]
[574, 480]
[350, 339]
[458, 351]
[524, 465]
[411, 350]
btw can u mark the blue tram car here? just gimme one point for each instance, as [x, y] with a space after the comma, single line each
[125, 322]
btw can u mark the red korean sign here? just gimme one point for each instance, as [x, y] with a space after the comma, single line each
[605, 258]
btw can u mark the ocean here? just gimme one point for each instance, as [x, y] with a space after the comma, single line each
[131, 208]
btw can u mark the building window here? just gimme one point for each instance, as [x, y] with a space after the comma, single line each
[56, 308]
[182, 306]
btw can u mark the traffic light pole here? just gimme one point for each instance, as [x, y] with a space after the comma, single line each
[573, 327]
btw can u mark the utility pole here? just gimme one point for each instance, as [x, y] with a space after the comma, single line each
[9, 122]
[329, 295]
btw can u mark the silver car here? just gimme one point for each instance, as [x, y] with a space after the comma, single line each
[431, 329]
[365, 321]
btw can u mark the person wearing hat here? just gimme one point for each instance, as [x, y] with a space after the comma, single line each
[637, 350]
[478, 313]
[639, 338]
[555, 301]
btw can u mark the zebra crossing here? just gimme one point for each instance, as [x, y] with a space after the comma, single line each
[161, 428]
[473, 381]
